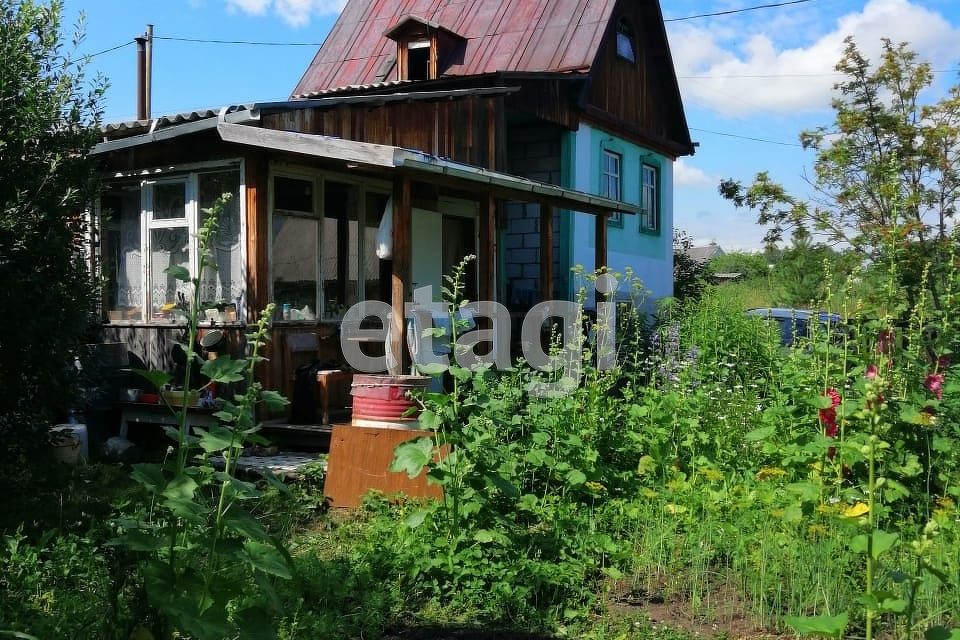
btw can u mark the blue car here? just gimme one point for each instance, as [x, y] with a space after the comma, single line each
[795, 323]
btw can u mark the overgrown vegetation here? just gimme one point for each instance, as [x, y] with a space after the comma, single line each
[50, 115]
[755, 487]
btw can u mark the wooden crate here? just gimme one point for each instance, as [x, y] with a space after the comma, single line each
[359, 462]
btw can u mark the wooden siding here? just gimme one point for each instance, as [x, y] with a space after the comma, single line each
[463, 129]
[638, 99]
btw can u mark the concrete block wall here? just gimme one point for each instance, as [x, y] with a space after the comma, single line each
[533, 152]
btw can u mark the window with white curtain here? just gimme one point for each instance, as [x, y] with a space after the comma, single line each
[152, 226]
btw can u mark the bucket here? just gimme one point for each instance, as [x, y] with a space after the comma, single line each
[70, 444]
[383, 401]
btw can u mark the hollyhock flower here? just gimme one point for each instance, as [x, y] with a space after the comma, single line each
[871, 372]
[828, 416]
[934, 384]
[885, 341]
[943, 362]
[876, 402]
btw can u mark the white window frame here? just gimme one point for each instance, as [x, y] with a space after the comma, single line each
[188, 175]
[650, 197]
[608, 175]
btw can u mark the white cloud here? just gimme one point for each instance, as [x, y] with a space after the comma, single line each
[721, 54]
[685, 175]
[296, 13]
[253, 7]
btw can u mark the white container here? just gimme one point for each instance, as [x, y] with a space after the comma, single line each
[70, 443]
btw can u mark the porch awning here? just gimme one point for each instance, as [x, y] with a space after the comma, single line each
[384, 157]
[455, 174]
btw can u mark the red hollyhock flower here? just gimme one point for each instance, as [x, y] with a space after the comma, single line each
[828, 416]
[934, 384]
[885, 340]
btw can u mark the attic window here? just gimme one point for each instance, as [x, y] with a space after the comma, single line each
[423, 47]
[418, 60]
[625, 40]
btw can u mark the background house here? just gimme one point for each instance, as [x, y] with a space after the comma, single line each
[706, 253]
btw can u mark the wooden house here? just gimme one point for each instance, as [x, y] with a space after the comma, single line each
[534, 135]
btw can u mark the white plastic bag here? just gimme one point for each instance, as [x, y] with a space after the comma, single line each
[385, 232]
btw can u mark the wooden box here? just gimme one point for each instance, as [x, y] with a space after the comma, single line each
[359, 462]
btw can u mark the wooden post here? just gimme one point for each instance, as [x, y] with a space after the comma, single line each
[546, 252]
[600, 257]
[258, 271]
[487, 258]
[402, 203]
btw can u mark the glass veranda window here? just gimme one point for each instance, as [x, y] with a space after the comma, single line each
[152, 226]
[323, 250]
[122, 252]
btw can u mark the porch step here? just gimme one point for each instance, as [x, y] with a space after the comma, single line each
[286, 465]
[302, 437]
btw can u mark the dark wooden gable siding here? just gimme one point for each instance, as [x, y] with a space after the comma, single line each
[641, 98]
[463, 129]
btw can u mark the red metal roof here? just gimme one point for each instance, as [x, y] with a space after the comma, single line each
[501, 35]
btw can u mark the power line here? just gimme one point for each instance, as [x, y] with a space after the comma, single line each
[765, 76]
[731, 11]
[734, 135]
[249, 42]
[100, 53]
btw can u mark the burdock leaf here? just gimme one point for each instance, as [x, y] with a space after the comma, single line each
[412, 456]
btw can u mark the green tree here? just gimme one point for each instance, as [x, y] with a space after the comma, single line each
[749, 265]
[49, 114]
[690, 277]
[887, 170]
[805, 269]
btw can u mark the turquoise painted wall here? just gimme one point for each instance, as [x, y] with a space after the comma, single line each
[649, 254]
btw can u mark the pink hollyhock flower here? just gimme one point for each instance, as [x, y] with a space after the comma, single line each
[871, 372]
[934, 384]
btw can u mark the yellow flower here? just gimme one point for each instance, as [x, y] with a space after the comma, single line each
[674, 508]
[856, 510]
[596, 487]
[712, 474]
[770, 472]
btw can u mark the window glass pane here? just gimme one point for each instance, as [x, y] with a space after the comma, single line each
[625, 42]
[340, 259]
[168, 248]
[372, 265]
[169, 200]
[224, 285]
[293, 194]
[122, 254]
[294, 264]
[610, 179]
[650, 217]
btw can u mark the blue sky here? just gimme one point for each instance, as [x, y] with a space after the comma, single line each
[763, 74]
